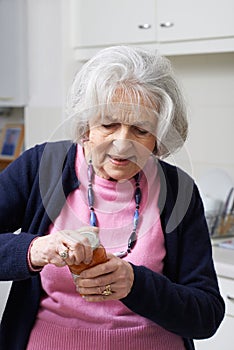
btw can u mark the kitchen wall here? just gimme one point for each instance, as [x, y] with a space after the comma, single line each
[208, 83]
[51, 66]
[45, 70]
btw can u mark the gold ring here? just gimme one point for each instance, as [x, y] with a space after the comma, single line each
[107, 291]
[64, 254]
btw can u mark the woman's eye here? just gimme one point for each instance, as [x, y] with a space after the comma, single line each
[141, 131]
[109, 126]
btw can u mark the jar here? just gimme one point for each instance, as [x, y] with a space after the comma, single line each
[99, 254]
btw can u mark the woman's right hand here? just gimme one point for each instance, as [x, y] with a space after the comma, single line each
[47, 249]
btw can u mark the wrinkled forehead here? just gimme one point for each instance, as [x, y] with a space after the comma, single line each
[126, 113]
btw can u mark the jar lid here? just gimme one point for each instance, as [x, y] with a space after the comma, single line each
[92, 237]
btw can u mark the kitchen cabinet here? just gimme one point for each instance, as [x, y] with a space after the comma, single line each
[182, 20]
[173, 27]
[13, 57]
[225, 334]
[187, 26]
[4, 291]
[104, 22]
[224, 337]
[96, 24]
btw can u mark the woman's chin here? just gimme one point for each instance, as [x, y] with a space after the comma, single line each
[121, 174]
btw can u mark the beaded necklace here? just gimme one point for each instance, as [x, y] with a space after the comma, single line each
[137, 196]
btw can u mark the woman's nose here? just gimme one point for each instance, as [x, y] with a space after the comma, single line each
[122, 146]
[123, 139]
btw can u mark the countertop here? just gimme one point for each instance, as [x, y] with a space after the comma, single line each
[223, 260]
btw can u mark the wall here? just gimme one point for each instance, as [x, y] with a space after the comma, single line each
[208, 83]
[50, 69]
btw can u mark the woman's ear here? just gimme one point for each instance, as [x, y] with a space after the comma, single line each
[155, 150]
[85, 137]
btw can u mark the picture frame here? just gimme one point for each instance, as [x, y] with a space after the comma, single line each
[11, 142]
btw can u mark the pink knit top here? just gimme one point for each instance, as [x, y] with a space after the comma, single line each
[65, 320]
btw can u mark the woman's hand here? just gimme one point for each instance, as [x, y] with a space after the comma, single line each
[116, 275]
[48, 249]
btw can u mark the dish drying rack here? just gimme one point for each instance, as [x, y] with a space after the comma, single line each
[221, 225]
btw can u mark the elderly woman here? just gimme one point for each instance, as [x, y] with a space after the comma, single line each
[157, 288]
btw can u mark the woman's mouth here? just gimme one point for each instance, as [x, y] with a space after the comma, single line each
[119, 161]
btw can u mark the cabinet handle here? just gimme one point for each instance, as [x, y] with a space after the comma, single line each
[6, 98]
[144, 26]
[166, 24]
[229, 297]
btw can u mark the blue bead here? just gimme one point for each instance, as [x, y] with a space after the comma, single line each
[90, 196]
[137, 177]
[138, 195]
[90, 172]
[93, 219]
[132, 241]
[136, 218]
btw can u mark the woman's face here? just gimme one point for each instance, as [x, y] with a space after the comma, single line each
[120, 144]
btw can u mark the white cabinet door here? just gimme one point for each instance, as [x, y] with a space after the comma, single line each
[13, 53]
[224, 338]
[188, 19]
[4, 291]
[111, 22]
[227, 291]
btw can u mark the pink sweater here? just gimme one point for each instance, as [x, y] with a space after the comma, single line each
[65, 320]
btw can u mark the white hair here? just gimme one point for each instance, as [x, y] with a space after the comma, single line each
[141, 76]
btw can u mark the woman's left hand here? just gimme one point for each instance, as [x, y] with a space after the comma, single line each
[115, 275]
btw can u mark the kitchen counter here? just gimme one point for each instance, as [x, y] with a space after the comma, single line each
[223, 260]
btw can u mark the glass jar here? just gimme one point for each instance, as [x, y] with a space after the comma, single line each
[99, 254]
